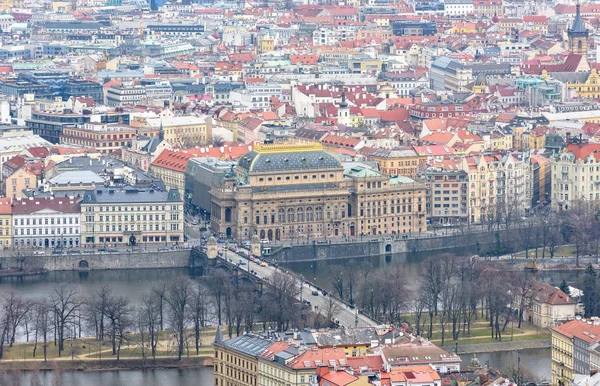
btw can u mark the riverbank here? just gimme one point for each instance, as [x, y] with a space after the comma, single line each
[67, 364]
[500, 346]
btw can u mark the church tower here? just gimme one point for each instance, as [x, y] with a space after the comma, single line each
[344, 111]
[578, 35]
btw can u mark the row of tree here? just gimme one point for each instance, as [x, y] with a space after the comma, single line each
[510, 229]
[446, 296]
[182, 307]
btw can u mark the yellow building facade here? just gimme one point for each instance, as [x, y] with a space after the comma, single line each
[588, 89]
[5, 222]
[300, 192]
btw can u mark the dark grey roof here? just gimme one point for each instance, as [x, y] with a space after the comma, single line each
[572, 77]
[248, 344]
[310, 159]
[577, 27]
[128, 195]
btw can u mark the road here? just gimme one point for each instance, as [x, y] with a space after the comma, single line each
[347, 317]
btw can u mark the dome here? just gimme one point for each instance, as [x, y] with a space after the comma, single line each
[277, 157]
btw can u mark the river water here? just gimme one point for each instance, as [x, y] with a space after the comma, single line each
[133, 284]
[165, 377]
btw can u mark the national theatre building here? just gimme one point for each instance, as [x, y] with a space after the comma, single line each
[298, 191]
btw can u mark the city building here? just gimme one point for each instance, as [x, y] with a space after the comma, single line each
[483, 190]
[578, 35]
[6, 234]
[298, 191]
[398, 162]
[106, 138]
[184, 131]
[132, 216]
[570, 349]
[548, 306]
[447, 197]
[575, 174]
[50, 222]
[414, 28]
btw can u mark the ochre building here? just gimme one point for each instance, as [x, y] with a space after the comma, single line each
[301, 192]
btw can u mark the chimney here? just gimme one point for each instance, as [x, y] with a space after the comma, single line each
[568, 138]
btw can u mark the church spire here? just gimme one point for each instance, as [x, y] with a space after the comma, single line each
[577, 26]
[578, 34]
[161, 132]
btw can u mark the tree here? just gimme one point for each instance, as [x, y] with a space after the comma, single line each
[117, 312]
[198, 310]
[65, 302]
[564, 287]
[590, 291]
[179, 294]
[42, 310]
[149, 315]
[281, 293]
[217, 140]
[160, 293]
[217, 283]
[522, 287]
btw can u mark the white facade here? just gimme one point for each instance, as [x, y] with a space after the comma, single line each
[46, 222]
[518, 183]
[458, 7]
[574, 177]
[255, 97]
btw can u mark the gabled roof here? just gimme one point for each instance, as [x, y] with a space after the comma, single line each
[545, 293]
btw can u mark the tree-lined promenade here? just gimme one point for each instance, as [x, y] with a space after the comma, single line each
[169, 320]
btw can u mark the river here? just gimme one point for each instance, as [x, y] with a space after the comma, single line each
[165, 377]
[133, 284]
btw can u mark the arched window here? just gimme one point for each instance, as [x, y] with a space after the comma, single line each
[319, 213]
[300, 215]
[579, 45]
[281, 216]
[290, 215]
[309, 214]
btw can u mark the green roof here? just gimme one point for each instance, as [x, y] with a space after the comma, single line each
[401, 180]
[361, 172]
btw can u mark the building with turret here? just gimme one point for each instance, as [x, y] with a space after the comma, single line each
[578, 35]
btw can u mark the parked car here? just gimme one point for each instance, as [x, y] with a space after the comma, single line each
[264, 241]
[88, 251]
[315, 293]
[162, 249]
[39, 253]
[57, 252]
[220, 241]
[263, 264]
[112, 250]
[252, 258]
[73, 252]
[242, 262]
[102, 250]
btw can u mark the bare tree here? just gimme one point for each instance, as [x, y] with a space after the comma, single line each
[522, 283]
[281, 294]
[150, 321]
[179, 294]
[161, 293]
[65, 302]
[42, 323]
[198, 310]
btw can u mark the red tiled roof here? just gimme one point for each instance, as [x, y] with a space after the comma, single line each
[581, 329]
[33, 205]
[581, 152]
[545, 293]
[5, 205]
[38, 152]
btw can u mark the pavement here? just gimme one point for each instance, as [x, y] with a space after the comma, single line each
[346, 316]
